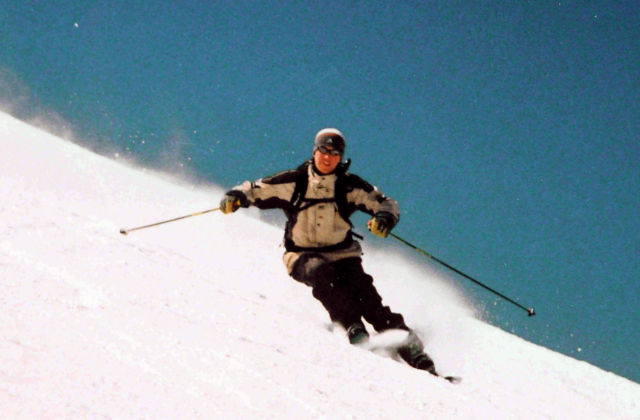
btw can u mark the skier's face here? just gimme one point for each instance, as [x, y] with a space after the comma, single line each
[325, 162]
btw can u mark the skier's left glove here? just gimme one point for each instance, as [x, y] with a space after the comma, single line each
[381, 224]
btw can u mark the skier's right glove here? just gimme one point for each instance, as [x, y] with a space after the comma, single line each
[232, 201]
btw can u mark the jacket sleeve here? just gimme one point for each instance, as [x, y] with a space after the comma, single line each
[367, 198]
[266, 193]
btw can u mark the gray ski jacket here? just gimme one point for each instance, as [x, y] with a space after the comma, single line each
[318, 208]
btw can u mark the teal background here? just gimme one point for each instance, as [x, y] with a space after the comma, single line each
[507, 130]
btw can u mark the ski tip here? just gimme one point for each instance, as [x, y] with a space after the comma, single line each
[124, 232]
[450, 378]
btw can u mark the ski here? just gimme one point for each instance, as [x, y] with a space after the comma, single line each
[451, 379]
[386, 344]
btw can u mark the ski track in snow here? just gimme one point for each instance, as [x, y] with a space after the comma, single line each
[198, 319]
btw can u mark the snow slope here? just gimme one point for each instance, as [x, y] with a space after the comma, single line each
[197, 318]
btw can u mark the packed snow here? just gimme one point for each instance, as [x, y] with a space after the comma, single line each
[198, 319]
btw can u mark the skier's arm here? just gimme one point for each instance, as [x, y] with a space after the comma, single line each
[270, 192]
[369, 199]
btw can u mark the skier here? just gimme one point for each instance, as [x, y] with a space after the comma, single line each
[318, 199]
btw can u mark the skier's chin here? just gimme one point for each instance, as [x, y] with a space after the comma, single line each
[325, 168]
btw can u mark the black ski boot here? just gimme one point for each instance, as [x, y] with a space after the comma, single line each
[412, 352]
[357, 333]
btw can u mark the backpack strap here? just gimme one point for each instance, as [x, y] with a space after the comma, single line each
[302, 181]
[341, 198]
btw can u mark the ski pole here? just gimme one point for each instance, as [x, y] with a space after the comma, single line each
[126, 231]
[530, 311]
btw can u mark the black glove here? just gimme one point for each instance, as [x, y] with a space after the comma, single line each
[381, 224]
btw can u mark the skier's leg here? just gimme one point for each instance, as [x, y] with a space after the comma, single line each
[305, 266]
[363, 292]
[379, 316]
[315, 271]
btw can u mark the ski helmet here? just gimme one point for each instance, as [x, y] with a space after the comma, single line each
[330, 137]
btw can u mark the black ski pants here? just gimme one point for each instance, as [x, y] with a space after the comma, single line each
[346, 291]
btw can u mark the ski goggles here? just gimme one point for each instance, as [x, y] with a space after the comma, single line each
[332, 152]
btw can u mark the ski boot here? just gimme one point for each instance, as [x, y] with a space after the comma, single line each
[412, 352]
[357, 333]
